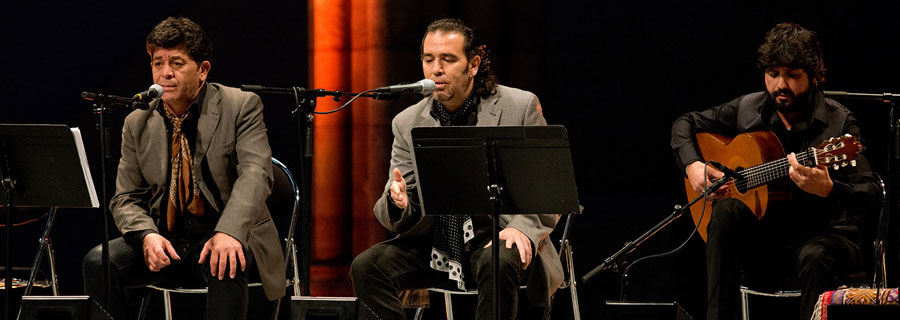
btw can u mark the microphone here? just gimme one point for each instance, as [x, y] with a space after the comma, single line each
[726, 170]
[145, 96]
[424, 86]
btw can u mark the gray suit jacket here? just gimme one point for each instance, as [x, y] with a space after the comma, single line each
[232, 165]
[509, 107]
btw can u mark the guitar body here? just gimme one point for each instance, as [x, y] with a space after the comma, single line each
[743, 151]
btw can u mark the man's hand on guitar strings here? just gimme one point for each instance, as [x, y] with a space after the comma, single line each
[812, 180]
[699, 180]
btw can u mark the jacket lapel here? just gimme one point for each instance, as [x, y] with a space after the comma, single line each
[425, 118]
[208, 122]
[159, 141]
[489, 111]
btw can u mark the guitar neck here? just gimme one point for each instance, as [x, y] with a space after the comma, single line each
[767, 172]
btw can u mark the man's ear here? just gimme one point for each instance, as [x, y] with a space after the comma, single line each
[474, 64]
[204, 70]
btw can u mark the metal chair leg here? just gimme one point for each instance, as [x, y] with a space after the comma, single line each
[44, 247]
[745, 310]
[167, 304]
[52, 257]
[576, 311]
[448, 303]
[419, 312]
[145, 304]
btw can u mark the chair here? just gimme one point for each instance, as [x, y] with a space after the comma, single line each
[284, 199]
[26, 216]
[565, 253]
[854, 278]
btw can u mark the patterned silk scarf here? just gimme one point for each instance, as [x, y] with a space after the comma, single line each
[184, 194]
[452, 232]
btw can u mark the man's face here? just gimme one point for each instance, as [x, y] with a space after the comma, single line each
[789, 87]
[178, 74]
[444, 61]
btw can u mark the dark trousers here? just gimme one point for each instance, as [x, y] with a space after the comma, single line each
[380, 272]
[227, 298]
[738, 243]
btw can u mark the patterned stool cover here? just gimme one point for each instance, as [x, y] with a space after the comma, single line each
[853, 296]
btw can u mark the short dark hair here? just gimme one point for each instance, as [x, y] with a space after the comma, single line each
[791, 45]
[177, 32]
[485, 80]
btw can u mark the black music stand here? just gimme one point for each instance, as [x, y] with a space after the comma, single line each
[494, 170]
[42, 165]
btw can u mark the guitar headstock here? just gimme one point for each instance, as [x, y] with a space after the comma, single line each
[839, 151]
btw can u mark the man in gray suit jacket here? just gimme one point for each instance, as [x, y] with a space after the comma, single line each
[191, 186]
[448, 250]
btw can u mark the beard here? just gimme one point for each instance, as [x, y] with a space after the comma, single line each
[797, 103]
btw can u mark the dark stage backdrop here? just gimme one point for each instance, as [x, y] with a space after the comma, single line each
[616, 74]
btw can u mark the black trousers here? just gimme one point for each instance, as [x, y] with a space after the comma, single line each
[227, 298]
[380, 272]
[739, 244]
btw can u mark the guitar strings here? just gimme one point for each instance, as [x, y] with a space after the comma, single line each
[763, 173]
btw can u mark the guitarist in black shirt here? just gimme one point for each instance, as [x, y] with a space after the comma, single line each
[813, 237]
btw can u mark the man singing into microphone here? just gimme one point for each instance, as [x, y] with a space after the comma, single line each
[191, 186]
[454, 251]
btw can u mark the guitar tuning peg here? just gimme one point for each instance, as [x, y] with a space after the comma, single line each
[853, 163]
[843, 164]
[836, 166]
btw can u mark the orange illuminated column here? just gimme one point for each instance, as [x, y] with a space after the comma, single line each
[331, 189]
[352, 147]
[371, 129]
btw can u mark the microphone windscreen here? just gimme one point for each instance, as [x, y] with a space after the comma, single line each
[427, 86]
[155, 90]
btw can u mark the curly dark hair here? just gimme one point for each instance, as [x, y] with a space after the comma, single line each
[485, 80]
[177, 32]
[792, 46]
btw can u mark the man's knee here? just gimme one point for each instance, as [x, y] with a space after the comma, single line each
[92, 260]
[362, 265]
[813, 256]
[727, 213]
[509, 260]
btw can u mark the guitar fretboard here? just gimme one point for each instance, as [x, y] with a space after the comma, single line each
[767, 172]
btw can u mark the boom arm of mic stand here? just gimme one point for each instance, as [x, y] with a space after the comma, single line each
[317, 92]
[885, 97]
[632, 245]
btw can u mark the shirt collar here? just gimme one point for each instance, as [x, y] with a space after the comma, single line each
[198, 100]
[818, 116]
[465, 115]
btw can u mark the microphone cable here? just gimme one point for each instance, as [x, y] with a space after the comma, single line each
[696, 227]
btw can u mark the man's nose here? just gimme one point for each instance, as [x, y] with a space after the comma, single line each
[437, 69]
[168, 72]
[781, 82]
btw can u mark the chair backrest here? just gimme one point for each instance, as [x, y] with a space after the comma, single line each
[284, 206]
[284, 201]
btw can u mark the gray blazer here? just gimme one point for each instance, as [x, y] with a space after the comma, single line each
[509, 107]
[233, 167]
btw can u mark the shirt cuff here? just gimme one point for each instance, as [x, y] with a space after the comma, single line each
[839, 190]
[136, 238]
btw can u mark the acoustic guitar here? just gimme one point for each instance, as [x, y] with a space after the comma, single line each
[759, 159]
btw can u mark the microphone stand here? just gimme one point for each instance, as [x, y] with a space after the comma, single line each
[305, 112]
[893, 164]
[100, 105]
[9, 183]
[617, 262]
